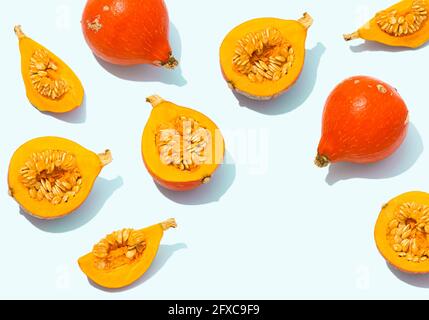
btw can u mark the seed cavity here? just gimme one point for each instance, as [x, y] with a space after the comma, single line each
[51, 175]
[184, 144]
[263, 56]
[42, 75]
[408, 232]
[399, 24]
[119, 248]
[95, 25]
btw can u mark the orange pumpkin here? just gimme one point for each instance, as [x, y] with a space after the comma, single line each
[128, 32]
[365, 120]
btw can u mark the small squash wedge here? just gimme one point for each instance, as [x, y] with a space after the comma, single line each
[49, 82]
[405, 24]
[262, 58]
[402, 232]
[181, 147]
[51, 177]
[124, 256]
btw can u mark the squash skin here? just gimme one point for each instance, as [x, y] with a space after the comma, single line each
[296, 34]
[380, 232]
[90, 165]
[127, 274]
[372, 32]
[372, 124]
[166, 176]
[126, 37]
[70, 101]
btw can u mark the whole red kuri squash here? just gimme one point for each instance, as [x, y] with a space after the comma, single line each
[128, 32]
[365, 120]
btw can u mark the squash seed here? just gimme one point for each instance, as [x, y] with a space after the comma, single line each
[258, 53]
[408, 230]
[41, 66]
[405, 23]
[119, 248]
[184, 143]
[51, 175]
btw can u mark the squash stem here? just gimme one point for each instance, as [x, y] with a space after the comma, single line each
[351, 36]
[306, 20]
[105, 158]
[154, 100]
[321, 161]
[171, 63]
[167, 224]
[18, 31]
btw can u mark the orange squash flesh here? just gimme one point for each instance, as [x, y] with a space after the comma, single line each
[385, 240]
[89, 164]
[125, 275]
[373, 29]
[74, 95]
[295, 32]
[169, 176]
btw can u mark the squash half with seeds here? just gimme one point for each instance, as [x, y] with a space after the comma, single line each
[402, 232]
[181, 147]
[51, 177]
[405, 24]
[263, 57]
[49, 82]
[123, 256]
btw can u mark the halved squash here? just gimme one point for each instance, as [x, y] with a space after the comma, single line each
[124, 256]
[263, 57]
[402, 232]
[49, 82]
[181, 147]
[51, 177]
[405, 24]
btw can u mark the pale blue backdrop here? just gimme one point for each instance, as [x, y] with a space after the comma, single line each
[271, 224]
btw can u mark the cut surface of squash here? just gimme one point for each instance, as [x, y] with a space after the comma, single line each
[181, 147]
[49, 82]
[405, 24]
[51, 177]
[124, 256]
[263, 57]
[402, 232]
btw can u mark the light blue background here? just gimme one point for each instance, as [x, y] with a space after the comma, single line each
[271, 224]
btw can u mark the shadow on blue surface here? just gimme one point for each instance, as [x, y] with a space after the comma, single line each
[101, 191]
[165, 252]
[77, 115]
[416, 280]
[372, 46]
[145, 73]
[297, 94]
[221, 181]
[402, 160]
